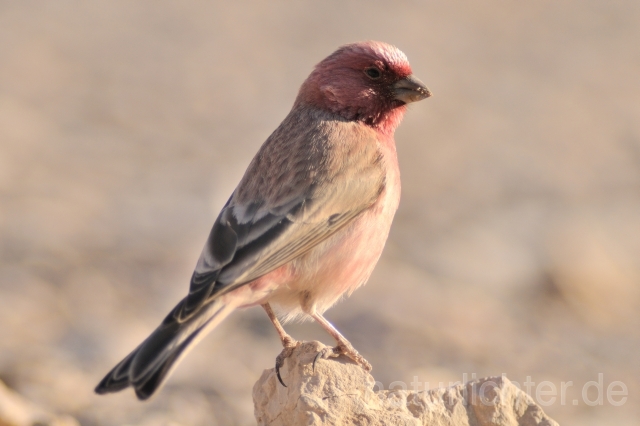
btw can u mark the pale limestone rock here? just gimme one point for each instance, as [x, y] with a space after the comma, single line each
[341, 393]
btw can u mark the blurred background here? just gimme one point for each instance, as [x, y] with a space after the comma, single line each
[124, 127]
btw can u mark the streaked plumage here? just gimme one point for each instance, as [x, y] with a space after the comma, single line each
[309, 219]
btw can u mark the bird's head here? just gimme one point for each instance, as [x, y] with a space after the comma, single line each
[367, 81]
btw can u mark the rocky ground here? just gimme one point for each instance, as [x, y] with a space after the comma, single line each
[124, 127]
[338, 392]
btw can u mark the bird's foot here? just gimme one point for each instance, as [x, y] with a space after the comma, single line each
[289, 345]
[343, 349]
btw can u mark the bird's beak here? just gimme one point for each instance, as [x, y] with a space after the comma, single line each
[410, 89]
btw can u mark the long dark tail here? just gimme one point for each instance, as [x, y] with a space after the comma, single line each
[147, 367]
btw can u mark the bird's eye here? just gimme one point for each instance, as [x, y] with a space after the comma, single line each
[373, 73]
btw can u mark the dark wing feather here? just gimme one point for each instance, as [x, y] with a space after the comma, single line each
[229, 244]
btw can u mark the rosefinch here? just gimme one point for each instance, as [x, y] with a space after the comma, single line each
[309, 219]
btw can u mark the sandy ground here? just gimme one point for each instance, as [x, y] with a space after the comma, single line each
[124, 127]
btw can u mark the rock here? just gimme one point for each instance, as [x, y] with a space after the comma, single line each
[341, 393]
[17, 411]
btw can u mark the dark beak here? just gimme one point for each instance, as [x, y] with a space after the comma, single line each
[410, 89]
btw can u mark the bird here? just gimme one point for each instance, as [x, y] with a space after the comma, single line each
[308, 221]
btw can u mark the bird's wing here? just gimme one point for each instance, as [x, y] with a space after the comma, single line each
[254, 236]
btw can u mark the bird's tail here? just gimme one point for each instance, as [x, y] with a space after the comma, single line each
[146, 368]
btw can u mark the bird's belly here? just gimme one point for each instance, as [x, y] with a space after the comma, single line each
[338, 265]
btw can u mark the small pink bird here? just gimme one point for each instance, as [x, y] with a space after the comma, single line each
[309, 219]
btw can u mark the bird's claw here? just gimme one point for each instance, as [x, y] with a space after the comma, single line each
[289, 346]
[347, 350]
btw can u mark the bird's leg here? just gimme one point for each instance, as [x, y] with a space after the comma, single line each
[288, 342]
[343, 348]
